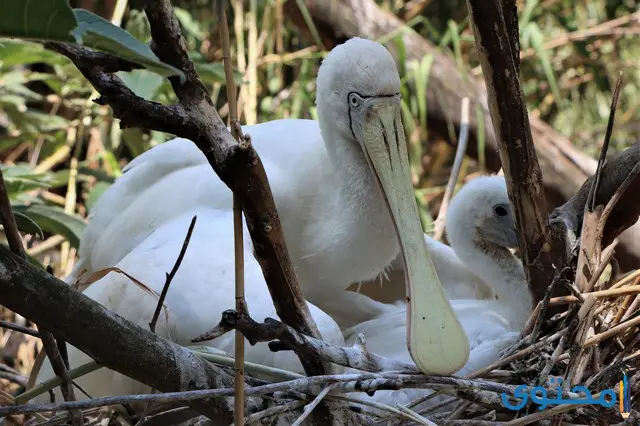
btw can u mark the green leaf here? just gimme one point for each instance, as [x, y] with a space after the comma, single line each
[54, 20]
[37, 20]
[54, 220]
[22, 52]
[138, 25]
[27, 225]
[190, 25]
[98, 33]
[213, 72]
[142, 82]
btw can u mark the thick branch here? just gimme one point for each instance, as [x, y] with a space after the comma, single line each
[92, 59]
[283, 337]
[626, 212]
[517, 152]
[105, 336]
[48, 340]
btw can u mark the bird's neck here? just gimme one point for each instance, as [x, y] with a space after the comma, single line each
[354, 215]
[352, 174]
[502, 272]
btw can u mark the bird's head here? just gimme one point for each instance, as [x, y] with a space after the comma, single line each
[481, 211]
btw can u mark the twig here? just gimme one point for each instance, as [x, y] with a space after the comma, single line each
[545, 302]
[170, 275]
[605, 145]
[313, 404]
[416, 417]
[283, 337]
[526, 351]
[612, 331]
[600, 294]
[273, 411]
[15, 327]
[345, 383]
[13, 377]
[238, 244]
[439, 224]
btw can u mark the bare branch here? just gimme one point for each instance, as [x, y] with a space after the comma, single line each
[170, 275]
[498, 55]
[439, 224]
[104, 336]
[92, 59]
[15, 327]
[283, 337]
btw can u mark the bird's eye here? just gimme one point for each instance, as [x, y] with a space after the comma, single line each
[354, 100]
[500, 211]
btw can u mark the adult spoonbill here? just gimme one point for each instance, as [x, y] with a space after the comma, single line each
[200, 291]
[342, 189]
[491, 325]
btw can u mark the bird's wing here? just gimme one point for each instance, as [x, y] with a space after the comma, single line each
[201, 290]
[174, 178]
[118, 210]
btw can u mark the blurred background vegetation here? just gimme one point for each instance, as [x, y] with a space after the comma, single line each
[60, 151]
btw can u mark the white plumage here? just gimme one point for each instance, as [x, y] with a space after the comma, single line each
[201, 290]
[343, 194]
[485, 232]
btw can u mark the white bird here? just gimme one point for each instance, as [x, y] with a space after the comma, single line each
[342, 189]
[201, 290]
[458, 266]
[491, 325]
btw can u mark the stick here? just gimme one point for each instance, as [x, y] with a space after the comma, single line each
[170, 275]
[238, 245]
[439, 225]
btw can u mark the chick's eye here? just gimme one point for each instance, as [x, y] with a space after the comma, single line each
[500, 211]
[354, 100]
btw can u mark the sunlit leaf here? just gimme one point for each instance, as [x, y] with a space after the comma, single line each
[23, 52]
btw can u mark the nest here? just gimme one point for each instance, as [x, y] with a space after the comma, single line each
[593, 340]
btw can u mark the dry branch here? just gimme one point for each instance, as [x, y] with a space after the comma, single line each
[283, 337]
[105, 336]
[496, 38]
